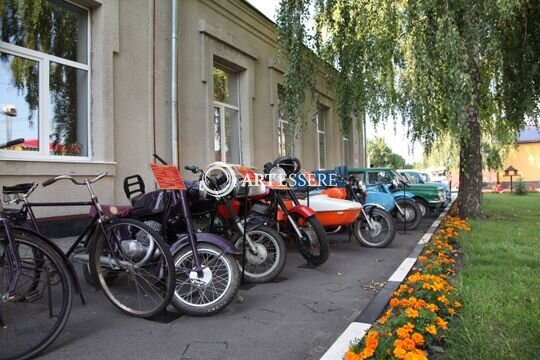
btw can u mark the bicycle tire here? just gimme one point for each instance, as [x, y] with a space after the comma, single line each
[27, 316]
[137, 276]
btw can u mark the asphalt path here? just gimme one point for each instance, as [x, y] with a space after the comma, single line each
[297, 317]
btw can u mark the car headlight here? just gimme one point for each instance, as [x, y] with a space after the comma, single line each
[442, 196]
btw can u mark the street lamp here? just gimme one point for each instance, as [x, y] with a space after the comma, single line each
[10, 111]
[510, 171]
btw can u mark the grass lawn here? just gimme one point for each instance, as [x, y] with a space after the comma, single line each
[500, 283]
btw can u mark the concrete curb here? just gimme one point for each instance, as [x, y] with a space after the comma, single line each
[358, 328]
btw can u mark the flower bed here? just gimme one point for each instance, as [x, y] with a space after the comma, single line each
[420, 309]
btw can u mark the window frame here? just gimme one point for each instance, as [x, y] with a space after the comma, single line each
[223, 106]
[282, 120]
[43, 119]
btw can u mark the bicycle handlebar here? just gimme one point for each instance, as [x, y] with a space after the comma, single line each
[73, 180]
[12, 143]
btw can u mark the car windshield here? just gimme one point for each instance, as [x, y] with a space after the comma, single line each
[425, 177]
[398, 176]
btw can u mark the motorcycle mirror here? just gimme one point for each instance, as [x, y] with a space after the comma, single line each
[395, 182]
[362, 186]
[194, 169]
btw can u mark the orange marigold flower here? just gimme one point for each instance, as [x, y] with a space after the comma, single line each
[457, 304]
[400, 352]
[412, 313]
[418, 339]
[409, 344]
[432, 307]
[394, 302]
[443, 299]
[352, 356]
[371, 341]
[422, 258]
[452, 311]
[431, 329]
[416, 354]
[398, 343]
[441, 323]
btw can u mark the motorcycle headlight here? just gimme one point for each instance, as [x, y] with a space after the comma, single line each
[362, 186]
[395, 182]
[441, 195]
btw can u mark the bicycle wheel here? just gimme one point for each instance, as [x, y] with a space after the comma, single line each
[268, 262]
[315, 247]
[35, 314]
[207, 293]
[134, 267]
[382, 230]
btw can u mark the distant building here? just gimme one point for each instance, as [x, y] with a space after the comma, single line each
[526, 158]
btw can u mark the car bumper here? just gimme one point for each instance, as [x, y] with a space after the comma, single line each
[437, 203]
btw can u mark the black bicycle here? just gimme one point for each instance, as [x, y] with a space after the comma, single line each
[128, 260]
[36, 288]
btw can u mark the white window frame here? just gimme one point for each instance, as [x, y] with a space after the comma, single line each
[224, 106]
[43, 120]
[321, 109]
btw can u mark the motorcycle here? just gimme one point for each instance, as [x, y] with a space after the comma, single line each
[282, 208]
[207, 276]
[373, 226]
[264, 249]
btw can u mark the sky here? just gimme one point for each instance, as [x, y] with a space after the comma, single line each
[394, 135]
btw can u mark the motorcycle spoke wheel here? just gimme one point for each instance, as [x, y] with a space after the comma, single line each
[207, 292]
[271, 255]
[314, 246]
[382, 232]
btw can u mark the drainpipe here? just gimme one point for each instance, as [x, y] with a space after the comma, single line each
[174, 59]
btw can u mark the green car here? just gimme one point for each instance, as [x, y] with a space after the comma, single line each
[429, 197]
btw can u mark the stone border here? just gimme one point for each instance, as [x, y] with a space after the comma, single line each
[358, 328]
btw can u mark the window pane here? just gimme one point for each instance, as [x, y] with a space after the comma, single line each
[19, 101]
[322, 151]
[232, 136]
[225, 86]
[54, 27]
[217, 133]
[321, 119]
[68, 111]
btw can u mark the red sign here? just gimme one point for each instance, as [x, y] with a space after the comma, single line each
[167, 177]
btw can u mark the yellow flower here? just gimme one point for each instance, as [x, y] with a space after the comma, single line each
[452, 311]
[409, 344]
[457, 304]
[416, 354]
[411, 313]
[431, 329]
[432, 307]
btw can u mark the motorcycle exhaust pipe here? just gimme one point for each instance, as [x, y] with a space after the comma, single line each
[105, 261]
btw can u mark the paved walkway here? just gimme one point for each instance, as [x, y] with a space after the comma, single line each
[297, 317]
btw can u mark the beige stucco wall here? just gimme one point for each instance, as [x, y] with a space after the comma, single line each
[131, 105]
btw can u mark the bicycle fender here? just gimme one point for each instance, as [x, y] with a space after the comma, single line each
[213, 239]
[302, 210]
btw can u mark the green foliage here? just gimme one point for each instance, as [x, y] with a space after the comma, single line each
[380, 155]
[520, 187]
[452, 69]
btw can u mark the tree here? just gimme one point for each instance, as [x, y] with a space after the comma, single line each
[380, 155]
[450, 68]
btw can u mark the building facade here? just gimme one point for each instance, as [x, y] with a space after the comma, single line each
[105, 89]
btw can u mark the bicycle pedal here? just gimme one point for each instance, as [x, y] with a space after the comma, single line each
[33, 296]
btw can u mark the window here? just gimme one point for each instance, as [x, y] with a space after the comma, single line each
[321, 135]
[346, 151]
[226, 116]
[44, 79]
[285, 135]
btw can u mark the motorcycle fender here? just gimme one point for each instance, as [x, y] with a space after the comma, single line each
[399, 195]
[65, 259]
[213, 239]
[372, 205]
[303, 211]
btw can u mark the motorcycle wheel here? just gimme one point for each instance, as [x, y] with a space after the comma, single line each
[413, 214]
[271, 255]
[382, 233]
[315, 248]
[211, 293]
[424, 207]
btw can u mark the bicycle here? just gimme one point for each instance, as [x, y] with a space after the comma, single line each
[36, 288]
[128, 260]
